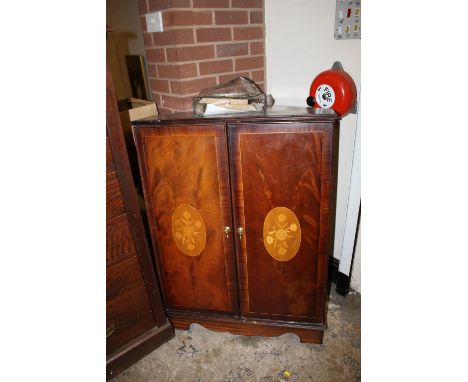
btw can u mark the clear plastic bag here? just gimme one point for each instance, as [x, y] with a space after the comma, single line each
[240, 94]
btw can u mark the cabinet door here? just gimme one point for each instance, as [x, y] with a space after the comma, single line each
[136, 321]
[282, 178]
[186, 184]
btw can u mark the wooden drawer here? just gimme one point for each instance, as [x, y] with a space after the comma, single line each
[122, 277]
[129, 311]
[128, 316]
[136, 320]
[114, 201]
[119, 240]
[110, 165]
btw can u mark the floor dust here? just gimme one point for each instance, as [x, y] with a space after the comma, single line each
[201, 355]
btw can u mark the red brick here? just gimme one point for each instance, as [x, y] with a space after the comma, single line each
[249, 63]
[231, 17]
[156, 98]
[155, 55]
[213, 34]
[178, 103]
[256, 48]
[247, 3]
[165, 110]
[256, 17]
[177, 71]
[148, 40]
[152, 71]
[183, 18]
[190, 53]
[218, 66]
[156, 5]
[173, 37]
[258, 75]
[211, 3]
[143, 23]
[228, 77]
[160, 86]
[143, 6]
[192, 86]
[228, 50]
[248, 33]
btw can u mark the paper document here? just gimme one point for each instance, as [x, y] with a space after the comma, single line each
[212, 109]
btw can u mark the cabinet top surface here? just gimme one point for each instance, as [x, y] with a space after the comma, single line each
[276, 113]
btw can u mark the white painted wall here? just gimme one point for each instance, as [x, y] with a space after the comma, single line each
[354, 205]
[299, 45]
[356, 272]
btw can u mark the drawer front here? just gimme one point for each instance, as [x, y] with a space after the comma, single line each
[186, 184]
[110, 166]
[135, 313]
[280, 176]
[129, 311]
[128, 316]
[122, 277]
[114, 202]
[119, 240]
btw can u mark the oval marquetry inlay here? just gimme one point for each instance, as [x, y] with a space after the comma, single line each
[281, 234]
[188, 230]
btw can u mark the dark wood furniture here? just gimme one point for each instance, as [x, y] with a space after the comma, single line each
[241, 212]
[136, 320]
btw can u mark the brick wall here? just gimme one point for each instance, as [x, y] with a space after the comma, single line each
[204, 43]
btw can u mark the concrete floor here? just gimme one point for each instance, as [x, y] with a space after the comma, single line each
[200, 355]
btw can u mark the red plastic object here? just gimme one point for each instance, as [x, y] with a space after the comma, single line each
[343, 87]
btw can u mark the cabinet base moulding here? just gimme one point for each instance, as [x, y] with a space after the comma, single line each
[250, 327]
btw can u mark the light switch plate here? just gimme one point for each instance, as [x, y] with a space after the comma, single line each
[154, 22]
[348, 19]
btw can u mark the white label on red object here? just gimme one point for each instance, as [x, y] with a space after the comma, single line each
[325, 96]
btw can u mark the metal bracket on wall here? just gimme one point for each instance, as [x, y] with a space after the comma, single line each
[338, 66]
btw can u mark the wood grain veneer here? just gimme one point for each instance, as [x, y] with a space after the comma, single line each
[187, 165]
[278, 166]
[136, 322]
[235, 170]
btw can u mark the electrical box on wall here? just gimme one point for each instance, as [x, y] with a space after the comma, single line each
[347, 19]
[154, 22]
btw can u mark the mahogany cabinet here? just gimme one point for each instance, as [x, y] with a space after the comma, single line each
[136, 320]
[241, 213]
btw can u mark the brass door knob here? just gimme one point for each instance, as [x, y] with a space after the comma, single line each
[240, 231]
[227, 231]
